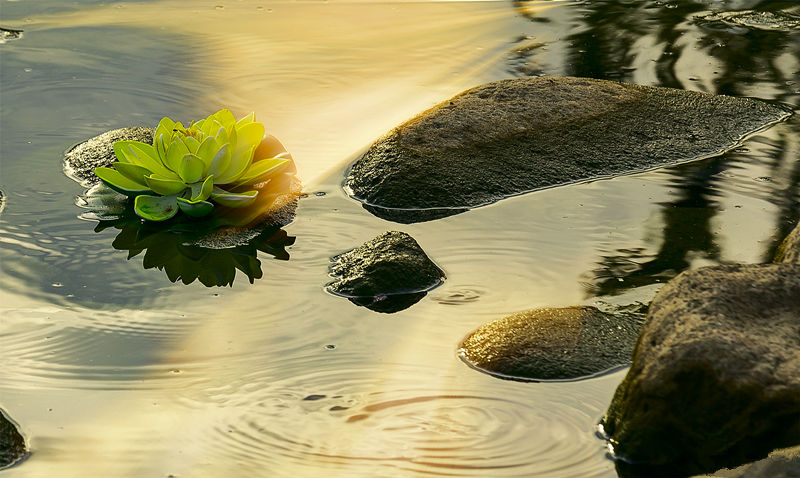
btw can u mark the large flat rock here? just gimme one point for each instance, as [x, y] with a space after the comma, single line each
[512, 136]
[715, 379]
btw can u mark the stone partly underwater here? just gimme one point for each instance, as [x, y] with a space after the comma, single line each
[512, 136]
[714, 380]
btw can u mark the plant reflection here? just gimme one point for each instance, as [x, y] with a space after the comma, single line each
[188, 256]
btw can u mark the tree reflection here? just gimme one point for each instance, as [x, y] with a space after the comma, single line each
[701, 44]
[686, 233]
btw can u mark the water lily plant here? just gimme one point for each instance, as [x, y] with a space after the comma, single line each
[213, 161]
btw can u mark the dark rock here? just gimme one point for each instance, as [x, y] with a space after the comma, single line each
[80, 161]
[513, 136]
[386, 274]
[12, 444]
[789, 250]
[552, 344]
[715, 379]
[783, 463]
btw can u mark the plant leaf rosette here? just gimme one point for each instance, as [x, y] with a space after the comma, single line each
[215, 161]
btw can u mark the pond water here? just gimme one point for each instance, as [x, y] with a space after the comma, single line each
[111, 369]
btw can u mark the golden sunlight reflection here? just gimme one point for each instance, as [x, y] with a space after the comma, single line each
[356, 69]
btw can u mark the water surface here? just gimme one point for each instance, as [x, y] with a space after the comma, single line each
[113, 370]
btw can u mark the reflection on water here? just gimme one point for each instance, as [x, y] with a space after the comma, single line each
[113, 371]
[178, 255]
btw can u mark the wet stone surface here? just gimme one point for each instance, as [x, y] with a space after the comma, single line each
[80, 161]
[789, 250]
[512, 136]
[12, 444]
[386, 274]
[715, 379]
[762, 20]
[552, 344]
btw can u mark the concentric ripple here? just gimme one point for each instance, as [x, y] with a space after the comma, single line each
[361, 422]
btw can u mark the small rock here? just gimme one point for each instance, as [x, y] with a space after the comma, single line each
[513, 136]
[789, 250]
[7, 34]
[12, 444]
[80, 161]
[552, 344]
[715, 379]
[386, 274]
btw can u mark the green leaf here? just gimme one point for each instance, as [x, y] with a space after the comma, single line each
[206, 152]
[221, 161]
[156, 208]
[116, 181]
[191, 143]
[239, 164]
[175, 153]
[202, 191]
[195, 208]
[261, 170]
[191, 168]
[225, 117]
[145, 155]
[229, 199]
[165, 127]
[246, 120]
[248, 136]
[164, 186]
[133, 172]
[159, 142]
[124, 154]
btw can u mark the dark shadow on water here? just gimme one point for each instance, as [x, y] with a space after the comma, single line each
[686, 232]
[185, 255]
[388, 304]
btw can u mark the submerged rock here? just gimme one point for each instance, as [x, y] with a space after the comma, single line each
[80, 161]
[715, 379]
[789, 250]
[512, 136]
[386, 274]
[552, 344]
[12, 444]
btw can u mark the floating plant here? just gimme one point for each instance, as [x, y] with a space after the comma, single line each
[217, 163]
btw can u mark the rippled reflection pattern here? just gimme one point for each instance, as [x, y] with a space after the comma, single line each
[111, 370]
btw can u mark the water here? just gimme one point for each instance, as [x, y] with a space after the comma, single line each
[113, 370]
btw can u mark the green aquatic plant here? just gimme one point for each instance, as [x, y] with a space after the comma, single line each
[191, 169]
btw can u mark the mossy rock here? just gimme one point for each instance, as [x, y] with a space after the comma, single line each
[552, 344]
